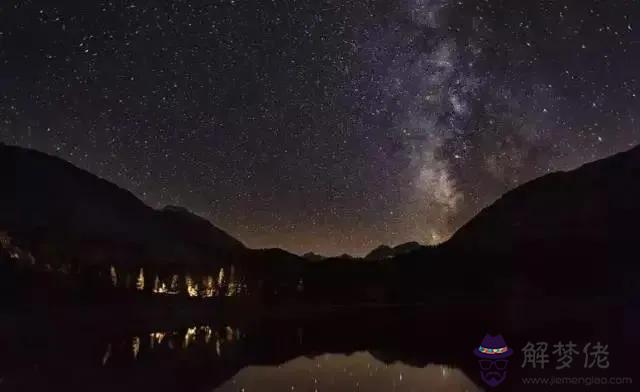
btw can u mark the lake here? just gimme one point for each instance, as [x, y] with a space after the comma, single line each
[368, 349]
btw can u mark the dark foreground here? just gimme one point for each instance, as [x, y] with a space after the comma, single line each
[206, 347]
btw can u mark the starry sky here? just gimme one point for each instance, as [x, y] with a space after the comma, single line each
[327, 126]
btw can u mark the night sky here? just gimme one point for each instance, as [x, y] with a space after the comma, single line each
[325, 126]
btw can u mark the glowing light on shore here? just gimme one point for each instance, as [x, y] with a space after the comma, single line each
[173, 287]
[136, 347]
[232, 286]
[159, 287]
[192, 288]
[155, 338]
[114, 276]
[221, 277]
[209, 287]
[140, 281]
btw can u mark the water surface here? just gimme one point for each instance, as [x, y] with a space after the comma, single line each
[359, 371]
[397, 349]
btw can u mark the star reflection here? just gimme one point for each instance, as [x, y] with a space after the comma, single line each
[358, 371]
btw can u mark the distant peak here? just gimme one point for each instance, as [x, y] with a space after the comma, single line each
[386, 252]
[313, 256]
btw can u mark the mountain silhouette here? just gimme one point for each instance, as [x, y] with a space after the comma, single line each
[597, 203]
[383, 252]
[313, 256]
[565, 233]
[59, 208]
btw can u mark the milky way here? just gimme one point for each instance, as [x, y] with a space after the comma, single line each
[328, 126]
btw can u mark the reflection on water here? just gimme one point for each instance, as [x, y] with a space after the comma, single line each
[220, 358]
[338, 372]
[372, 350]
[107, 354]
[204, 337]
[326, 372]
